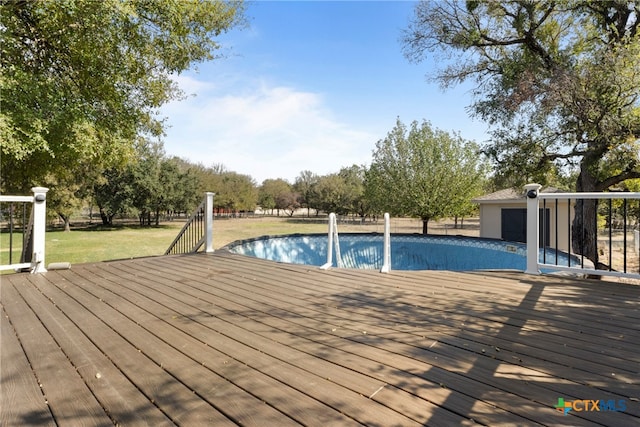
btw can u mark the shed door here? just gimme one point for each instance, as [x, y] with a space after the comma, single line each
[514, 225]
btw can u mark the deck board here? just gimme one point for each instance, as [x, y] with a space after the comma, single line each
[355, 333]
[203, 346]
[272, 360]
[21, 399]
[66, 393]
[224, 339]
[126, 404]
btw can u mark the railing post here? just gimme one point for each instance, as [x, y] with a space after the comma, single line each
[533, 221]
[39, 229]
[386, 250]
[208, 222]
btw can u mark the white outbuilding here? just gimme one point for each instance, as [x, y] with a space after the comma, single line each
[503, 215]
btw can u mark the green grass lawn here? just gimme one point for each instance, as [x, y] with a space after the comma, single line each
[101, 244]
[90, 244]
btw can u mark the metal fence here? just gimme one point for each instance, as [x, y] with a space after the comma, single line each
[613, 216]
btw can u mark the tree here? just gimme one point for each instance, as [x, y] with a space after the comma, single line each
[277, 194]
[73, 190]
[81, 80]
[423, 172]
[341, 193]
[305, 186]
[114, 193]
[354, 200]
[330, 190]
[152, 184]
[557, 81]
[235, 192]
[187, 194]
[176, 189]
[289, 202]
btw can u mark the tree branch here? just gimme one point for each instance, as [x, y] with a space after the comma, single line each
[616, 179]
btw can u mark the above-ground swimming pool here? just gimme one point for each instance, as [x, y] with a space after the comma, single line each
[408, 252]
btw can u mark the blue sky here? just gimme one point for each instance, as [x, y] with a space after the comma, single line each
[308, 85]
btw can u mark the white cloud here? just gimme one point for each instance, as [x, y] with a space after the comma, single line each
[262, 130]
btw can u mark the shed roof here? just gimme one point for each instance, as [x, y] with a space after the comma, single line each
[510, 194]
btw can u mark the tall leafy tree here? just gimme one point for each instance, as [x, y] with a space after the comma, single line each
[277, 194]
[557, 81]
[354, 200]
[331, 191]
[235, 192]
[186, 195]
[81, 79]
[114, 193]
[423, 172]
[305, 185]
[73, 189]
[150, 186]
[341, 193]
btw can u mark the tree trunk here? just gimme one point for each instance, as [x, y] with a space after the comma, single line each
[425, 225]
[584, 230]
[67, 222]
[106, 219]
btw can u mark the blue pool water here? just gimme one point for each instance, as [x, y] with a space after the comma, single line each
[408, 252]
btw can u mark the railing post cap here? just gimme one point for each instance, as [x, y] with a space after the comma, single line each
[39, 189]
[531, 190]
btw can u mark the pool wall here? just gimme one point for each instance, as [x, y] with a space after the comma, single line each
[408, 251]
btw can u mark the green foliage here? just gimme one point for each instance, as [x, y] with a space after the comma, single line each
[114, 194]
[305, 185]
[150, 186]
[235, 192]
[424, 172]
[277, 194]
[330, 191]
[558, 82]
[354, 199]
[81, 80]
[342, 192]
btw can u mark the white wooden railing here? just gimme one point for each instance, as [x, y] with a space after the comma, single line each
[33, 247]
[534, 200]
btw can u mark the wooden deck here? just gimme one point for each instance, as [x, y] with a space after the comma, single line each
[228, 340]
